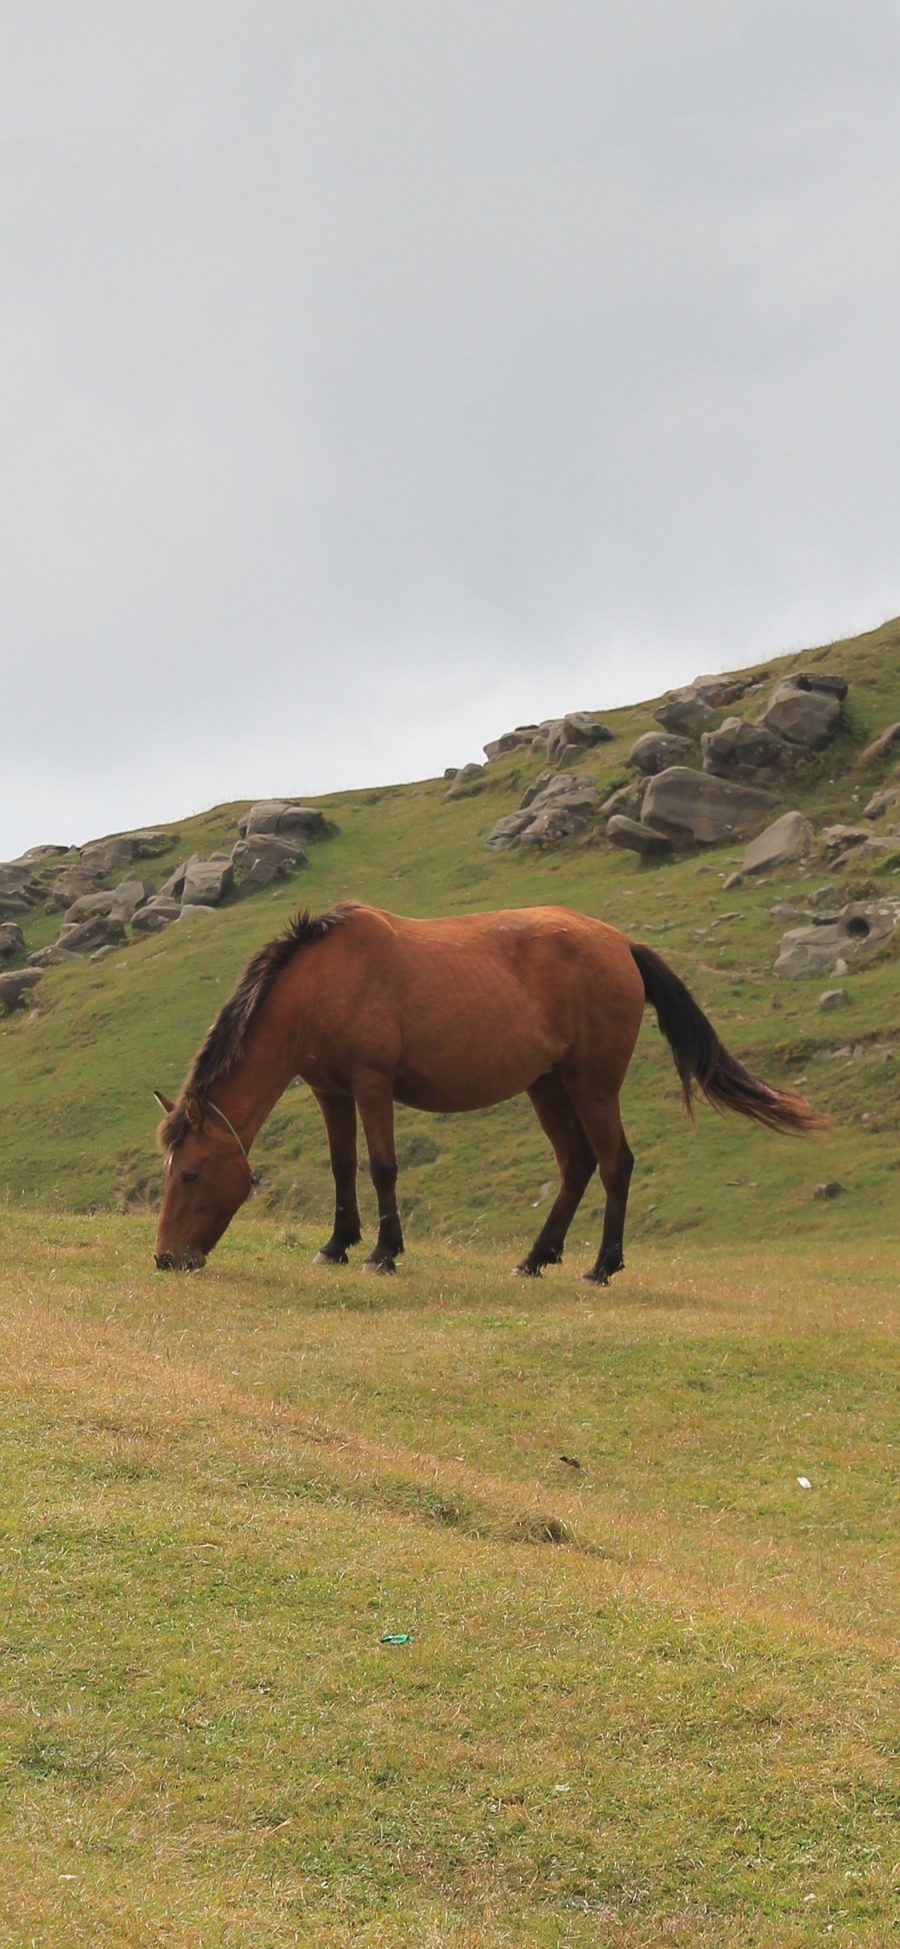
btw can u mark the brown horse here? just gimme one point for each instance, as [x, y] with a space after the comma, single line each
[371, 1010]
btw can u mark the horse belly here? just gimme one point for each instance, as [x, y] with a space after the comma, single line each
[474, 1058]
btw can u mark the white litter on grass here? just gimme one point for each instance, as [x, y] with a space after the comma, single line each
[804, 1481]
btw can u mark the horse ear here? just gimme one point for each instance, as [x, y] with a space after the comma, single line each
[165, 1102]
[194, 1110]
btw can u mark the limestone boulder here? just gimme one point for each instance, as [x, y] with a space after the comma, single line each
[789, 838]
[263, 858]
[157, 914]
[19, 890]
[16, 987]
[559, 817]
[12, 940]
[882, 803]
[207, 881]
[800, 715]
[127, 897]
[686, 711]
[468, 779]
[51, 957]
[520, 739]
[656, 750]
[853, 934]
[720, 691]
[87, 905]
[638, 838]
[881, 747]
[101, 930]
[287, 817]
[695, 805]
[745, 752]
[507, 831]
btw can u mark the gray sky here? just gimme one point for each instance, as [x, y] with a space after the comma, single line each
[376, 376]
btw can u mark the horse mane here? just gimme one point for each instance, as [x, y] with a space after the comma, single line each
[224, 1040]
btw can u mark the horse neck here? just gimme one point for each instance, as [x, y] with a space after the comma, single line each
[250, 1090]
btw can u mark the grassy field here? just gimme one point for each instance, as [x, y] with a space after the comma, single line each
[645, 1700]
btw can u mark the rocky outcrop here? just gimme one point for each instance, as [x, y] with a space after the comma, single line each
[468, 780]
[882, 803]
[686, 711]
[101, 930]
[15, 988]
[789, 838]
[802, 714]
[852, 934]
[265, 857]
[656, 750]
[521, 739]
[882, 746]
[19, 890]
[747, 753]
[50, 957]
[12, 940]
[158, 913]
[207, 881]
[287, 817]
[638, 838]
[556, 806]
[692, 805]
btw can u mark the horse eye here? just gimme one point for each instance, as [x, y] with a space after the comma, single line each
[189, 1177]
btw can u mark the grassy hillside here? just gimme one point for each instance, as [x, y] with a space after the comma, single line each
[643, 1700]
[77, 1069]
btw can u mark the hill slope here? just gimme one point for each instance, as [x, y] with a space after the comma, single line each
[77, 1068]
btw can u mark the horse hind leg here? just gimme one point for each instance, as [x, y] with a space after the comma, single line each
[339, 1113]
[603, 1123]
[575, 1158]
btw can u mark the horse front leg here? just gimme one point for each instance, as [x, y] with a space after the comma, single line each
[339, 1113]
[376, 1107]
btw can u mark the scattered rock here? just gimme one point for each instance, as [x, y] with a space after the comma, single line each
[12, 940]
[265, 857]
[882, 802]
[788, 838]
[835, 942]
[467, 780]
[705, 808]
[686, 710]
[801, 715]
[50, 957]
[127, 897]
[786, 910]
[287, 817]
[14, 987]
[102, 930]
[843, 836]
[638, 838]
[157, 913]
[882, 746]
[834, 998]
[207, 881]
[507, 830]
[656, 750]
[742, 751]
[520, 739]
[830, 1190]
[189, 913]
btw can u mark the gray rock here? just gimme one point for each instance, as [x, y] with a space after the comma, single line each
[206, 882]
[834, 837]
[12, 940]
[742, 751]
[100, 931]
[833, 998]
[468, 780]
[263, 858]
[638, 838]
[835, 942]
[720, 691]
[189, 913]
[14, 987]
[656, 750]
[685, 710]
[786, 910]
[788, 838]
[882, 746]
[51, 957]
[288, 817]
[105, 856]
[19, 890]
[71, 884]
[882, 802]
[88, 905]
[696, 805]
[127, 897]
[620, 802]
[505, 833]
[802, 716]
[517, 740]
[157, 914]
[558, 818]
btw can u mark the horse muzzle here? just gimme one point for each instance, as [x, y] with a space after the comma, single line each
[179, 1261]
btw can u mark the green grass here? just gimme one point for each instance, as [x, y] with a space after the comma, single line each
[643, 1701]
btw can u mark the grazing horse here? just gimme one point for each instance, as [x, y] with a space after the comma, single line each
[371, 1009]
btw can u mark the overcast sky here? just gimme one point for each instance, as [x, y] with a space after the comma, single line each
[378, 374]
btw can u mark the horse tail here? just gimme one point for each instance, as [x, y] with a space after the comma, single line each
[701, 1058]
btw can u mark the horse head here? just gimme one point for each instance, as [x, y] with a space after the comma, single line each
[208, 1177]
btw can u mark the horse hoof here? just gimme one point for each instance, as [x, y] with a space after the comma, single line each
[596, 1278]
[379, 1265]
[329, 1258]
[526, 1271]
